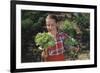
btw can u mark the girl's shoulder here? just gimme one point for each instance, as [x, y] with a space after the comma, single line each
[62, 35]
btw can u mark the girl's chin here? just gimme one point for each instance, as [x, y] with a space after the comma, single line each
[50, 30]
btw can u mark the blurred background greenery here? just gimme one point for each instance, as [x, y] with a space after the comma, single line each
[76, 25]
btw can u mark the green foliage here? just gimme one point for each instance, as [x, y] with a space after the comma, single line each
[44, 40]
[70, 42]
[72, 53]
[83, 19]
[68, 27]
[26, 23]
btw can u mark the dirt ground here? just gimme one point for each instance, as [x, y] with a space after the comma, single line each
[81, 56]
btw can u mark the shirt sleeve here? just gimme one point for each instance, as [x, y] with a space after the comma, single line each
[64, 36]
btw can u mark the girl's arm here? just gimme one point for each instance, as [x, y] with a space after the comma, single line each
[44, 55]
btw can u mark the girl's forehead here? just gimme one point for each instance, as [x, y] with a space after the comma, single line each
[50, 20]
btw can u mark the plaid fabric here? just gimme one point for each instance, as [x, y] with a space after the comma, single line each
[59, 47]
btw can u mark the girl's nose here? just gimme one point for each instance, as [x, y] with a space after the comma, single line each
[50, 27]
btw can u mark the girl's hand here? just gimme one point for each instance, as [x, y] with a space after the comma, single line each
[44, 55]
[77, 48]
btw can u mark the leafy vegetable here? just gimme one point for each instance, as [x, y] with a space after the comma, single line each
[44, 40]
[70, 42]
[71, 52]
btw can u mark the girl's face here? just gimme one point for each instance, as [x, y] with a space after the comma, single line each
[51, 24]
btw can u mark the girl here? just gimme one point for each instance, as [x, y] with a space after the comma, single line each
[55, 53]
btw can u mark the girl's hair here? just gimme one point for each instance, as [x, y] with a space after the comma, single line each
[53, 16]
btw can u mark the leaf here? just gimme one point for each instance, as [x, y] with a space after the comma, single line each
[44, 39]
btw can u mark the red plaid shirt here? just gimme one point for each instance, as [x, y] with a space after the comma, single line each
[56, 53]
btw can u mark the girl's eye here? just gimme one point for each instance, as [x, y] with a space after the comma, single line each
[47, 25]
